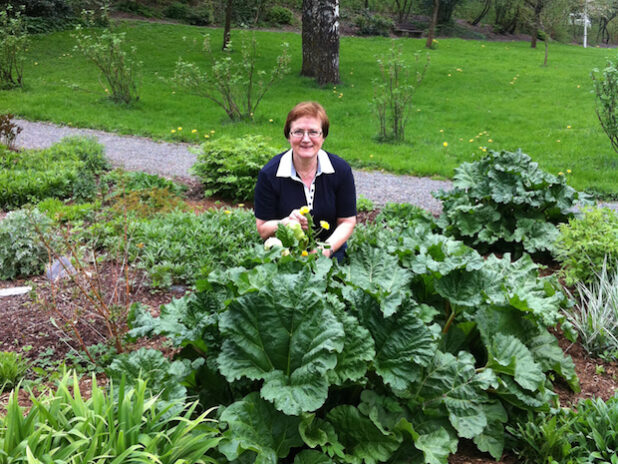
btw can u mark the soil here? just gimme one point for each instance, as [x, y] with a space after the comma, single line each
[28, 328]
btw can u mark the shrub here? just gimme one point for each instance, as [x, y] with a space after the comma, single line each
[393, 93]
[586, 433]
[596, 316]
[59, 211]
[8, 131]
[364, 204]
[584, 243]
[505, 202]
[229, 167]
[13, 369]
[236, 86]
[606, 90]
[106, 50]
[182, 247]
[177, 10]
[373, 24]
[13, 46]
[21, 252]
[279, 15]
[64, 170]
[126, 425]
[415, 343]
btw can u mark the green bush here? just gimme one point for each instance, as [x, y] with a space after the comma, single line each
[22, 252]
[373, 24]
[64, 170]
[279, 15]
[229, 167]
[504, 202]
[13, 46]
[126, 425]
[182, 247]
[585, 242]
[606, 90]
[13, 369]
[59, 211]
[177, 10]
[588, 433]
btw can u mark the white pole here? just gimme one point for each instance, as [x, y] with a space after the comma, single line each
[585, 23]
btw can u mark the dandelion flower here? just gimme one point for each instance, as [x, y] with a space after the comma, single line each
[449, 74]
[561, 173]
[179, 128]
[212, 131]
[270, 120]
[490, 140]
[304, 253]
[445, 144]
[558, 141]
[324, 225]
[371, 156]
[578, 86]
[206, 136]
[568, 171]
[482, 46]
[304, 210]
[194, 131]
[241, 205]
[140, 245]
[459, 70]
[173, 131]
[227, 211]
[441, 130]
[471, 140]
[569, 126]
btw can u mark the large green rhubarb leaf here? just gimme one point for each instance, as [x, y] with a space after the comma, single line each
[285, 335]
[508, 355]
[361, 439]
[403, 343]
[380, 275]
[546, 351]
[255, 426]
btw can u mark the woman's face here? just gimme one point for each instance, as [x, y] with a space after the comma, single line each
[306, 147]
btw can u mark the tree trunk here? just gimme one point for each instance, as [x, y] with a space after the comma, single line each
[320, 37]
[536, 26]
[483, 13]
[432, 25]
[546, 49]
[309, 31]
[227, 36]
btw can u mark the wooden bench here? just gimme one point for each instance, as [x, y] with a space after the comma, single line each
[407, 30]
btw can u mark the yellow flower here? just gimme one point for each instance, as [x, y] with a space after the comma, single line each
[270, 120]
[561, 173]
[206, 136]
[194, 131]
[240, 205]
[441, 130]
[179, 128]
[459, 70]
[471, 140]
[482, 46]
[490, 140]
[212, 131]
[371, 156]
[445, 144]
[569, 126]
[449, 74]
[325, 225]
[568, 171]
[227, 211]
[304, 253]
[140, 245]
[578, 86]
[558, 141]
[173, 131]
[304, 210]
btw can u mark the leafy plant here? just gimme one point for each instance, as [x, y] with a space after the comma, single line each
[236, 86]
[66, 169]
[106, 50]
[13, 369]
[585, 242]
[393, 91]
[8, 131]
[596, 316]
[126, 425]
[417, 342]
[13, 46]
[277, 14]
[148, 202]
[364, 204]
[505, 202]
[229, 167]
[606, 90]
[62, 212]
[182, 247]
[21, 252]
[373, 24]
[129, 181]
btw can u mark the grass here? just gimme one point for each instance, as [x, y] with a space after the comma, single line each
[475, 94]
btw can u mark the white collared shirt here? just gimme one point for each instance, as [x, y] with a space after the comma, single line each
[286, 169]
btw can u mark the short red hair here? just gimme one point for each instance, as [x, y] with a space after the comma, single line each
[309, 109]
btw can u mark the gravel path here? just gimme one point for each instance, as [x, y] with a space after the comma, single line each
[175, 159]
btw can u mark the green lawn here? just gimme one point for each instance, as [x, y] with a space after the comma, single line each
[475, 94]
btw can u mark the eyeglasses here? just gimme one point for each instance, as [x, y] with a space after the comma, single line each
[299, 134]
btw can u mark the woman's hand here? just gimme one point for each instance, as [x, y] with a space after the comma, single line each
[296, 216]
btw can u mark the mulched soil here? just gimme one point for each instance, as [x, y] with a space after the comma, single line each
[26, 324]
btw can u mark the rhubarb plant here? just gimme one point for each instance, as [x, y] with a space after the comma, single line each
[414, 344]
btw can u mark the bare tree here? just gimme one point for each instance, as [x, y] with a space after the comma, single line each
[432, 25]
[402, 8]
[320, 40]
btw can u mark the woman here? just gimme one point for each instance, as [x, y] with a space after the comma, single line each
[308, 176]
